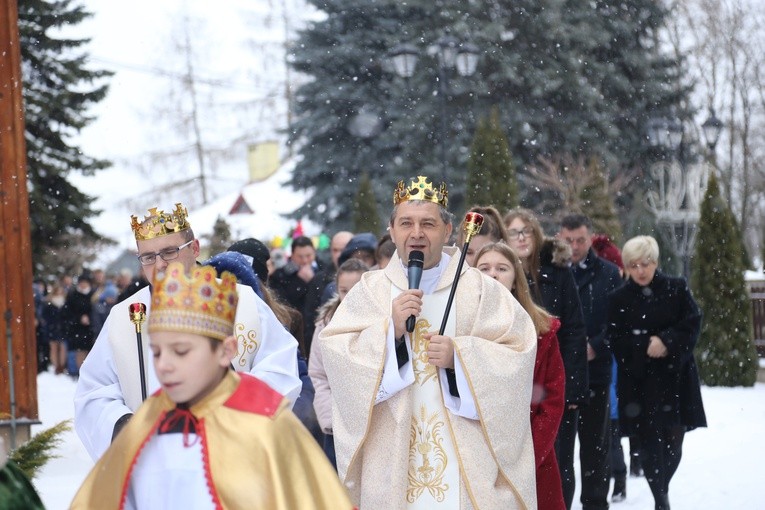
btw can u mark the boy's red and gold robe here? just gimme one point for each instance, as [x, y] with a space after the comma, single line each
[255, 453]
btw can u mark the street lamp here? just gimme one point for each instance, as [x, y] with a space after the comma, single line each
[664, 133]
[450, 54]
[679, 189]
[712, 127]
[366, 123]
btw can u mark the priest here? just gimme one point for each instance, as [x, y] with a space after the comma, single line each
[422, 420]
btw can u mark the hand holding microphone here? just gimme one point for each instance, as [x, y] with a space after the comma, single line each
[414, 274]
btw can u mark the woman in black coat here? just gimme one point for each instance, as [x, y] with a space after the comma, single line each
[75, 317]
[653, 327]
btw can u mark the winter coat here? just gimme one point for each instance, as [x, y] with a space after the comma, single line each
[557, 293]
[76, 328]
[546, 412]
[51, 324]
[322, 401]
[300, 295]
[659, 391]
[596, 278]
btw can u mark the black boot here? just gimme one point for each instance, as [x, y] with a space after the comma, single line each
[636, 467]
[662, 502]
[620, 490]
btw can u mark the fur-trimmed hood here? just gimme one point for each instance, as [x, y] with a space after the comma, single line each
[327, 310]
[555, 252]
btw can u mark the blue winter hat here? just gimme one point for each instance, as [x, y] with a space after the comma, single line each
[239, 266]
[256, 252]
[365, 241]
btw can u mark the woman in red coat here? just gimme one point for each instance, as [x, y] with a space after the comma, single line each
[500, 262]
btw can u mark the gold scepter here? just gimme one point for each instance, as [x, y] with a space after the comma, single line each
[138, 316]
[473, 223]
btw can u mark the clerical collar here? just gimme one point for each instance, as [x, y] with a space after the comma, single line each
[430, 277]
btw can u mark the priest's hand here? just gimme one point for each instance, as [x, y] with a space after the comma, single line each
[440, 350]
[407, 303]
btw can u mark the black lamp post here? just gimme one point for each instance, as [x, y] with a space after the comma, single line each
[664, 133]
[712, 127]
[451, 54]
[668, 201]
[366, 124]
[680, 184]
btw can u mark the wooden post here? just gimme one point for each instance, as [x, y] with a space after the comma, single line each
[17, 314]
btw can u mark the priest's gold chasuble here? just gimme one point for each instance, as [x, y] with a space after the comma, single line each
[433, 479]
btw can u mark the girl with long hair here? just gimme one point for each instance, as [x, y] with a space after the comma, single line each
[500, 262]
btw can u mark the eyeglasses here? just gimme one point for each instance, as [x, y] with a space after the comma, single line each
[516, 234]
[644, 264]
[167, 254]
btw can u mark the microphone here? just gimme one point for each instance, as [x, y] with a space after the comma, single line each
[414, 273]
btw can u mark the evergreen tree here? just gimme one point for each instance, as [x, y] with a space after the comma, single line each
[366, 217]
[491, 171]
[725, 352]
[58, 91]
[220, 238]
[746, 260]
[578, 77]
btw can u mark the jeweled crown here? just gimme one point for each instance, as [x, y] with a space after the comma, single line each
[198, 303]
[420, 189]
[158, 223]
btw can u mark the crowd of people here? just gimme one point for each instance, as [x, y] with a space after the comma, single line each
[542, 339]
[70, 312]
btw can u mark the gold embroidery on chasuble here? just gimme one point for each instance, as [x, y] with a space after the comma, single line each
[433, 477]
[246, 342]
[423, 371]
[426, 443]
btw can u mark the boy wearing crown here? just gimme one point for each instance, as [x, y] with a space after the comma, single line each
[405, 437]
[110, 386]
[209, 438]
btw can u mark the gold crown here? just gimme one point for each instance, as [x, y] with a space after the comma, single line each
[420, 190]
[158, 223]
[199, 304]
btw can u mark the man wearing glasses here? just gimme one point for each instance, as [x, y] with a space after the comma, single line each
[109, 387]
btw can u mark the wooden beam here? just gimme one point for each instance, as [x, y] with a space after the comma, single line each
[17, 314]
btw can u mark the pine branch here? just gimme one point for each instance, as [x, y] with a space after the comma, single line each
[35, 453]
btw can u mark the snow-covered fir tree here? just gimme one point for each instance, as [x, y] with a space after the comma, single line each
[59, 87]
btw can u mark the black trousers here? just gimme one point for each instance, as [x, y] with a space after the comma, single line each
[661, 449]
[592, 423]
[618, 466]
[595, 448]
[564, 451]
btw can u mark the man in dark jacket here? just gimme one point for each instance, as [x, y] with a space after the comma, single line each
[302, 277]
[595, 279]
[557, 293]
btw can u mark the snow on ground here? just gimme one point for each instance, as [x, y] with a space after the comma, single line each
[721, 468]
